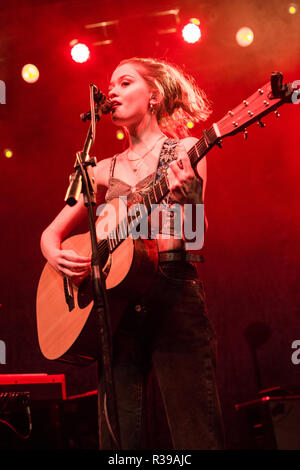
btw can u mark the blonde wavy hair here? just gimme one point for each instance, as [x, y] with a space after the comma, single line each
[181, 100]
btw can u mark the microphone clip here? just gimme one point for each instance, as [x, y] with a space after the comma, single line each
[103, 105]
[101, 100]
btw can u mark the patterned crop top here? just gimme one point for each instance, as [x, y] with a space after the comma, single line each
[166, 217]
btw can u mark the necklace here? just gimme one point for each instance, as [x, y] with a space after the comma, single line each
[139, 160]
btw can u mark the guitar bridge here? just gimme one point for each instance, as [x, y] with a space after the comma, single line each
[69, 295]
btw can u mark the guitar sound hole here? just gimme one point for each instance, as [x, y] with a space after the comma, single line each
[85, 293]
[85, 289]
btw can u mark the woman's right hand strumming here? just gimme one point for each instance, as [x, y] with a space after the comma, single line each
[69, 262]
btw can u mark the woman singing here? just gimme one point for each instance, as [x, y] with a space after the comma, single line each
[169, 333]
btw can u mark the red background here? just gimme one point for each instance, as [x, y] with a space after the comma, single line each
[251, 249]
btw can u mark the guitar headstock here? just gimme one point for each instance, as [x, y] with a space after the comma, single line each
[265, 100]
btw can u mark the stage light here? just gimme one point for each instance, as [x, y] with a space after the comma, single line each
[80, 53]
[30, 73]
[120, 135]
[190, 124]
[191, 32]
[292, 8]
[8, 153]
[73, 42]
[244, 36]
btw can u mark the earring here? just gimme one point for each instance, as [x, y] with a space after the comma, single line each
[151, 107]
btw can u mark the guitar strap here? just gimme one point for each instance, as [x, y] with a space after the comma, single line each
[112, 166]
[167, 155]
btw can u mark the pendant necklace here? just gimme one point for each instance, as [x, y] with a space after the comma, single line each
[137, 166]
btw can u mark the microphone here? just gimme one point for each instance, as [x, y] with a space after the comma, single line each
[103, 102]
[105, 105]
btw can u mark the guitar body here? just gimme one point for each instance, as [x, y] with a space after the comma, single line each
[70, 333]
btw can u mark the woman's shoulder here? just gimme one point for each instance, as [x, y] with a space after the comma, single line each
[103, 169]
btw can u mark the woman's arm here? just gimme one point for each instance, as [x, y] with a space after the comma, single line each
[68, 261]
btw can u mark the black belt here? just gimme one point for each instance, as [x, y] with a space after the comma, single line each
[166, 256]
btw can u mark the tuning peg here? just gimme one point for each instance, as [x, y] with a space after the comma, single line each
[261, 124]
[277, 114]
[219, 144]
[245, 134]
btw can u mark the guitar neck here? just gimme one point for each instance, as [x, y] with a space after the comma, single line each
[266, 99]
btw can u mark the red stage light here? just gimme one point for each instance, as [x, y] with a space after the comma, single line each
[191, 32]
[80, 53]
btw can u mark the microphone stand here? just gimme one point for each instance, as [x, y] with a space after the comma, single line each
[82, 181]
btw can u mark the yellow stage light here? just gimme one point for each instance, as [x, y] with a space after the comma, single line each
[8, 153]
[292, 8]
[30, 73]
[120, 135]
[244, 36]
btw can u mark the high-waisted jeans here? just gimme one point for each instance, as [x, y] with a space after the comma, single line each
[170, 336]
